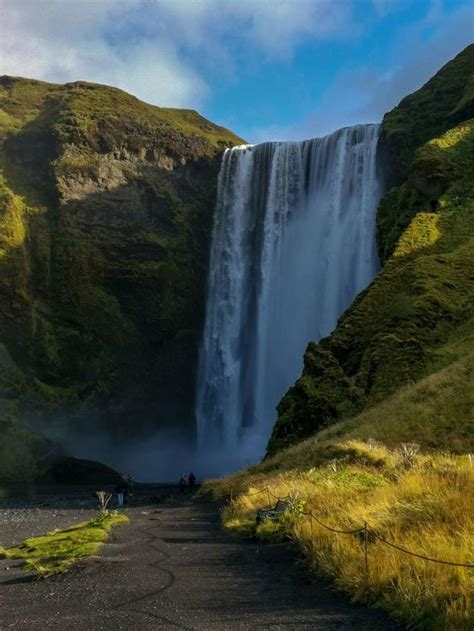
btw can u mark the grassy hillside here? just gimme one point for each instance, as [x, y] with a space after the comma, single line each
[101, 118]
[106, 205]
[393, 468]
[420, 502]
[417, 315]
[442, 103]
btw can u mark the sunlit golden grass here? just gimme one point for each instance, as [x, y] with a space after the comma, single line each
[421, 502]
[58, 550]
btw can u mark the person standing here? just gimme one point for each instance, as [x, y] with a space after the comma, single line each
[182, 484]
[192, 481]
[120, 490]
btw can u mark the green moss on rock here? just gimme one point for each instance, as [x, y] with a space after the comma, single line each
[106, 204]
[412, 157]
[323, 391]
[444, 101]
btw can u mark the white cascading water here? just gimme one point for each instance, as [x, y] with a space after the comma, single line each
[292, 245]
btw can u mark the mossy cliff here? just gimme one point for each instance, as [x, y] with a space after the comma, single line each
[105, 212]
[417, 317]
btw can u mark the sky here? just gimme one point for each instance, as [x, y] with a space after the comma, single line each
[267, 69]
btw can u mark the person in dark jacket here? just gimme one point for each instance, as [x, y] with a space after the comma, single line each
[192, 480]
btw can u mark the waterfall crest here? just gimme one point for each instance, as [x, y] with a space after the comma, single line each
[293, 243]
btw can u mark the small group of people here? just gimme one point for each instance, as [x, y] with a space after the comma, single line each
[187, 480]
[125, 487]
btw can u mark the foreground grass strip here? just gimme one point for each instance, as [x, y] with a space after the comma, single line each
[419, 502]
[59, 549]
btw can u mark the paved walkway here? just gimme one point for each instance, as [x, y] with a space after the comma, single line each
[172, 568]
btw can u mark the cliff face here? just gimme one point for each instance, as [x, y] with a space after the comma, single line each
[417, 317]
[105, 212]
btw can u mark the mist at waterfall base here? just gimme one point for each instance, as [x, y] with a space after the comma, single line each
[162, 456]
[293, 244]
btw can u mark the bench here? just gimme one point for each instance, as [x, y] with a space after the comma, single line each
[272, 514]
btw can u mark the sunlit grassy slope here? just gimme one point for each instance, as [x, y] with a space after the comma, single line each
[423, 503]
[438, 410]
[355, 472]
[78, 111]
[60, 549]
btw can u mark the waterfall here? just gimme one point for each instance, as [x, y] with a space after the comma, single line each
[293, 243]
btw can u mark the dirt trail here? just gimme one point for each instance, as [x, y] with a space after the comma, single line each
[173, 568]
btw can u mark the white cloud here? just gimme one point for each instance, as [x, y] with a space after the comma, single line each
[66, 41]
[365, 94]
[273, 26]
[155, 49]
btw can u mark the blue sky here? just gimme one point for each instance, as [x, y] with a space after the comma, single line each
[268, 69]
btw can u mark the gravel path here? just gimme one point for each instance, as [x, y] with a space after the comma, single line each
[31, 520]
[173, 568]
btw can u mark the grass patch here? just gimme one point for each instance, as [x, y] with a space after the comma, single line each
[435, 412]
[419, 501]
[57, 551]
[427, 113]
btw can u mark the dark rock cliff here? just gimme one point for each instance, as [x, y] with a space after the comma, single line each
[106, 206]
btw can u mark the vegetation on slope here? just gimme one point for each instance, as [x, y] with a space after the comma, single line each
[405, 325]
[102, 118]
[19, 460]
[420, 502]
[443, 102]
[436, 412]
[57, 551]
[105, 213]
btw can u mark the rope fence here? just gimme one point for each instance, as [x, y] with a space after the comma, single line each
[421, 556]
[330, 528]
[369, 534]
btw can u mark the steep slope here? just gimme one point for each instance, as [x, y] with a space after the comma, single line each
[415, 501]
[420, 307]
[105, 211]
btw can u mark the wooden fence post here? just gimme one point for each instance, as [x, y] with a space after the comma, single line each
[366, 550]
